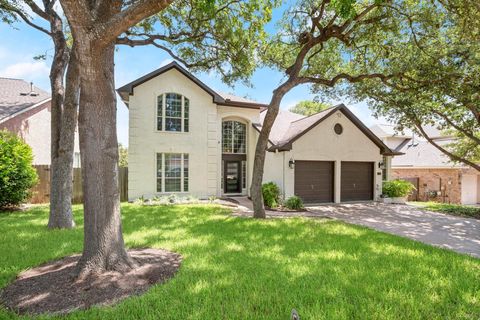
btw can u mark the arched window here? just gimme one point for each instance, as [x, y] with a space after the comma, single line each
[172, 112]
[234, 137]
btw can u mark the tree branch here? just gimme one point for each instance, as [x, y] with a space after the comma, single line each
[36, 9]
[130, 16]
[344, 76]
[24, 17]
[452, 156]
[457, 127]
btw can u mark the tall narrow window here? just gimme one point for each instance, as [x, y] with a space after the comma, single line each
[159, 172]
[160, 112]
[173, 112]
[172, 172]
[244, 174]
[234, 137]
[185, 172]
[186, 107]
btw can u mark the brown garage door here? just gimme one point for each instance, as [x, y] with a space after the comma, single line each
[356, 181]
[314, 181]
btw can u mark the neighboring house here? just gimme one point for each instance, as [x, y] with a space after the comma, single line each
[186, 138]
[25, 111]
[434, 175]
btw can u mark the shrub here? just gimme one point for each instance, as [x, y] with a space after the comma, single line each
[294, 203]
[17, 175]
[397, 188]
[454, 209]
[271, 194]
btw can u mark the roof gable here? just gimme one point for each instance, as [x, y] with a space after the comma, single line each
[299, 127]
[219, 98]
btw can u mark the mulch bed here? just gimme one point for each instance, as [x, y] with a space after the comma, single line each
[51, 287]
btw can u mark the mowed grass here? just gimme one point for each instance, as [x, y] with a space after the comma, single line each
[468, 211]
[238, 268]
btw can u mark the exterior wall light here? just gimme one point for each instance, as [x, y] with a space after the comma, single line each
[291, 163]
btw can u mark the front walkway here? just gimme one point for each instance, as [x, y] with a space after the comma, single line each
[455, 233]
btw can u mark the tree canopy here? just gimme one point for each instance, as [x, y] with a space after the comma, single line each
[437, 64]
[309, 107]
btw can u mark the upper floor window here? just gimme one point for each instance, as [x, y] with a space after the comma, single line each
[234, 137]
[172, 112]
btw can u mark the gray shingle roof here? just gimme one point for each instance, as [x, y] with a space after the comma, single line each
[231, 97]
[388, 130]
[16, 96]
[420, 153]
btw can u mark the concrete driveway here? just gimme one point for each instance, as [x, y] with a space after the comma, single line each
[454, 233]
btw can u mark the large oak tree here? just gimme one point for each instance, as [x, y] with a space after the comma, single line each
[231, 30]
[322, 43]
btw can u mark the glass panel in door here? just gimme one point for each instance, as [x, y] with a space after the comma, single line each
[232, 177]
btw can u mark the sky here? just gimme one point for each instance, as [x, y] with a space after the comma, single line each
[20, 44]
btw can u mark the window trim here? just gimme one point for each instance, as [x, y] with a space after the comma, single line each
[183, 118]
[182, 173]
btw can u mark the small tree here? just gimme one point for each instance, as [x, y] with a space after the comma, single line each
[122, 155]
[309, 107]
[17, 175]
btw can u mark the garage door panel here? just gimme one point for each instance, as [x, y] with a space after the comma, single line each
[356, 181]
[314, 181]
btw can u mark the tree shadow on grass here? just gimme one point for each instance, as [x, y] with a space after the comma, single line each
[323, 268]
[236, 268]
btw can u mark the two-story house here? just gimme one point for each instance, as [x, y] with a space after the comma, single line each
[186, 138]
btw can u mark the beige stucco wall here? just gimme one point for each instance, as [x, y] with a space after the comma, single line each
[322, 143]
[145, 141]
[202, 142]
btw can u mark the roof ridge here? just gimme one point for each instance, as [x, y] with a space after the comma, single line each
[305, 117]
[19, 79]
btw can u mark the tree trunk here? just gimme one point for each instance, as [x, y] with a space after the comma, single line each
[262, 144]
[103, 247]
[61, 149]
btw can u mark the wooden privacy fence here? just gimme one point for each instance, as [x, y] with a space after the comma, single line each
[41, 192]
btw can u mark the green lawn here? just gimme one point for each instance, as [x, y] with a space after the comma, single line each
[237, 268]
[453, 209]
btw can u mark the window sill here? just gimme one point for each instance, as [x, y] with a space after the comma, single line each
[172, 192]
[173, 132]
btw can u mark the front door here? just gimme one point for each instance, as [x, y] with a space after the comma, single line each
[232, 177]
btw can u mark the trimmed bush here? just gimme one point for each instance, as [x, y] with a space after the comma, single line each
[271, 194]
[397, 188]
[294, 203]
[17, 175]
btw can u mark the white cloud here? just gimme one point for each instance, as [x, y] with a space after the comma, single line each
[26, 70]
